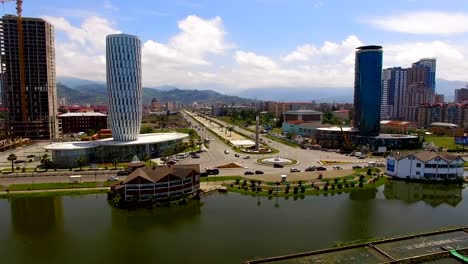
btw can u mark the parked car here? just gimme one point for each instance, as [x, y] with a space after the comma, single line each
[277, 165]
[237, 155]
[195, 156]
[226, 151]
[337, 168]
[321, 168]
[203, 174]
[122, 173]
[311, 168]
[380, 165]
[212, 171]
[259, 172]
[113, 178]
[357, 167]
[248, 173]
[295, 170]
[246, 157]
[172, 162]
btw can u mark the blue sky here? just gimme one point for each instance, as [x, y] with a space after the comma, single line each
[235, 45]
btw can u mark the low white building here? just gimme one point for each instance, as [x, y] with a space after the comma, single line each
[425, 165]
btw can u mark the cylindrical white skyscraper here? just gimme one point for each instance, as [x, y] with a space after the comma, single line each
[123, 70]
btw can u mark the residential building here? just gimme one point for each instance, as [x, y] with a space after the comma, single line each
[439, 98]
[394, 81]
[160, 182]
[32, 105]
[429, 72]
[82, 122]
[416, 95]
[278, 108]
[368, 90]
[425, 165]
[396, 127]
[461, 94]
[123, 61]
[448, 113]
[342, 115]
[303, 115]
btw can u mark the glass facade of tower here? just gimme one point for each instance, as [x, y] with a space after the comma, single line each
[123, 70]
[368, 90]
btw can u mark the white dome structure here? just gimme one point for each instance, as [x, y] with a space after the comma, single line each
[123, 70]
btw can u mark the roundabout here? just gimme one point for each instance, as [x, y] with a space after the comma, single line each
[277, 160]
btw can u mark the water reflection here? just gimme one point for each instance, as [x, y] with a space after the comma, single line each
[433, 194]
[36, 216]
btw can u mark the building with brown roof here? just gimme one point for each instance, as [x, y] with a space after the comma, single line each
[159, 182]
[425, 165]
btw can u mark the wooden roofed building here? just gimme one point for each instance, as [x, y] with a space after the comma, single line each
[160, 182]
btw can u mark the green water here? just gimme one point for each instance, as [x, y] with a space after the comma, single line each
[222, 228]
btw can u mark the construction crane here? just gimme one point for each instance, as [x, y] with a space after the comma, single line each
[347, 146]
[24, 100]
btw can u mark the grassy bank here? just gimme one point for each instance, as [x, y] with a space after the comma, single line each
[55, 185]
[52, 193]
[282, 141]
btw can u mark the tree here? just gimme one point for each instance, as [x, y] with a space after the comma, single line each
[145, 157]
[115, 162]
[46, 161]
[80, 161]
[12, 157]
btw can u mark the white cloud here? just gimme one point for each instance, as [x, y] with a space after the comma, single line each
[108, 5]
[251, 59]
[423, 22]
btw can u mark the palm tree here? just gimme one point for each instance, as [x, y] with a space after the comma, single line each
[12, 157]
[80, 161]
[145, 157]
[46, 161]
[115, 162]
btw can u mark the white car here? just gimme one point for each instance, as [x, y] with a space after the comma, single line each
[295, 170]
[113, 178]
[226, 151]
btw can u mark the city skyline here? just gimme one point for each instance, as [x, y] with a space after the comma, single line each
[200, 44]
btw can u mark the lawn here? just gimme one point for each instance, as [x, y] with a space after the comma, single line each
[55, 185]
[442, 141]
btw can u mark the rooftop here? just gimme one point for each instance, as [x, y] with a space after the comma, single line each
[395, 136]
[369, 47]
[303, 111]
[426, 156]
[82, 114]
[155, 174]
[442, 124]
[336, 129]
[142, 139]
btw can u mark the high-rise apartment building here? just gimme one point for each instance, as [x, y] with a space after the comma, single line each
[123, 70]
[428, 66]
[416, 95]
[368, 90]
[32, 106]
[461, 94]
[394, 82]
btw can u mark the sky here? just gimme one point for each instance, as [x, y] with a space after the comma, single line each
[235, 45]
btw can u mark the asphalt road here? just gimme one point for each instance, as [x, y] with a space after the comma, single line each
[215, 155]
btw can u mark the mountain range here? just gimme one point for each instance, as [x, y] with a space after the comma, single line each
[79, 91]
[96, 94]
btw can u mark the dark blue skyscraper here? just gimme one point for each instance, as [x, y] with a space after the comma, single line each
[368, 90]
[430, 76]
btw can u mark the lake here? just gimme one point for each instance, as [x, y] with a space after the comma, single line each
[221, 228]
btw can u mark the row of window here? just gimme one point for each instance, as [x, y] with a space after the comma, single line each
[440, 166]
[133, 187]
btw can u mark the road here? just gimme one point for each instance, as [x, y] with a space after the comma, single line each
[215, 155]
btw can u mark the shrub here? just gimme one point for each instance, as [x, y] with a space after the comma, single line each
[352, 184]
[245, 182]
[369, 171]
[333, 186]
[361, 184]
[335, 180]
[259, 189]
[18, 168]
[24, 169]
[237, 181]
[302, 189]
[286, 190]
[346, 185]
[361, 178]
[340, 186]
[325, 188]
[296, 189]
[327, 183]
[300, 183]
[239, 187]
[246, 188]
[232, 185]
[29, 160]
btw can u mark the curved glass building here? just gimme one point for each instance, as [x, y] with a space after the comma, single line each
[123, 70]
[368, 90]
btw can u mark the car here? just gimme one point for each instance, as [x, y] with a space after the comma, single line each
[171, 162]
[203, 174]
[237, 155]
[212, 139]
[337, 168]
[357, 167]
[311, 168]
[248, 173]
[212, 171]
[195, 156]
[246, 157]
[295, 170]
[276, 165]
[361, 157]
[113, 178]
[259, 172]
[122, 173]
[321, 168]
[380, 165]
[226, 151]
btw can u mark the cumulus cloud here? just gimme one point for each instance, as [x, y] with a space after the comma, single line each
[200, 56]
[423, 22]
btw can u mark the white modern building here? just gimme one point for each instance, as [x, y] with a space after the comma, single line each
[425, 165]
[123, 65]
[123, 71]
